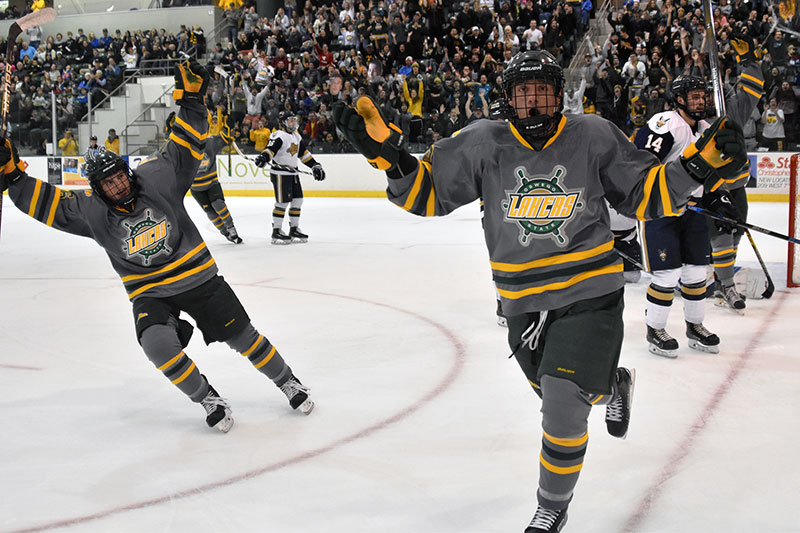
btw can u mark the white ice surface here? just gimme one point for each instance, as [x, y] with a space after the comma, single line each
[422, 424]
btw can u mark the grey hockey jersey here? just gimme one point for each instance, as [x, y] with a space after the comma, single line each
[546, 224]
[155, 249]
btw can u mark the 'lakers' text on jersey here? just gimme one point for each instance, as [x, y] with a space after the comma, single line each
[546, 227]
[156, 248]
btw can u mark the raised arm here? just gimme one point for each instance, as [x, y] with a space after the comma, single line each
[54, 207]
[190, 129]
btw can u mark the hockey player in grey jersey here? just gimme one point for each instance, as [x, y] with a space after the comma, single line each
[139, 219]
[544, 178]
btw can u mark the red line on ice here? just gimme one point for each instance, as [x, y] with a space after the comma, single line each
[441, 387]
[683, 449]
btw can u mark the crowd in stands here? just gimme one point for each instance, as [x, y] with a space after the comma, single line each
[432, 66]
[75, 67]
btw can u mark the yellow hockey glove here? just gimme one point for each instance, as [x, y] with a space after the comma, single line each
[191, 81]
[718, 156]
[365, 128]
[745, 47]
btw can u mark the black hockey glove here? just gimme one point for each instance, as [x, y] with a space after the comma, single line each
[13, 168]
[746, 50]
[262, 160]
[719, 203]
[318, 171]
[365, 128]
[718, 156]
[191, 81]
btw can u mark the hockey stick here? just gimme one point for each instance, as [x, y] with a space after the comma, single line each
[711, 48]
[745, 225]
[37, 18]
[770, 285]
[273, 166]
[719, 103]
[631, 260]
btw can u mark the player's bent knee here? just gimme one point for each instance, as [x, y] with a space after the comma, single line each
[691, 274]
[666, 278]
[242, 341]
[160, 343]
[565, 409]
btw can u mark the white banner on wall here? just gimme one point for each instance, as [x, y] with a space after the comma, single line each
[351, 175]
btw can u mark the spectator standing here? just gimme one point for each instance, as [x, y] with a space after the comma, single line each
[773, 135]
[68, 145]
[112, 141]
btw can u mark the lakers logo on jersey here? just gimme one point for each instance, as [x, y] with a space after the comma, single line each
[660, 123]
[540, 206]
[293, 148]
[148, 238]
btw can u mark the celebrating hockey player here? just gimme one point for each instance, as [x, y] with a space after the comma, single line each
[139, 218]
[544, 178]
[284, 148]
[207, 190]
[677, 248]
[724, 243]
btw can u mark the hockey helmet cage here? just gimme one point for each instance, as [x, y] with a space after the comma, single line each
[682, 86]
[105, 164]
[283, 120]
[533, 65]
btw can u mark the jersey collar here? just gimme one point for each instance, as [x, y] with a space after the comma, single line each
[525, 143]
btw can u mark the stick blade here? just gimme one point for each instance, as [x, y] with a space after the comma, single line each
[37, 18]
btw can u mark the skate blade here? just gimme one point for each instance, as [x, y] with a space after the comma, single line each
[306, 407]
[669, 354]
[226, 423]
[280, 242]
[295, 239]
[700, 347]
[722, 303]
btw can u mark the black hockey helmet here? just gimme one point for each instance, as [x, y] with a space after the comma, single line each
[682, 86]
[535, 65]
[105, 164]
[283, 120]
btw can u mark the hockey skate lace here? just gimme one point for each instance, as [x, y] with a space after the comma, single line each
[292, 387]
[614, 410]
[701, 330]
[662, 335]
[212, 402]
[531, 335]
[544, 518]
[730, 293]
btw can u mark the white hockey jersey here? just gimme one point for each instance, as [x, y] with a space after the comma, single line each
[286, 148]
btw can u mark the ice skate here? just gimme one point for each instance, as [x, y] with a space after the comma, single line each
[547, 521]
[297, 393]
[218, 412]
[661, 343]
[618, 411]
[233, 236]
[728, 296]
[279, 237]
[701, 339]
[297, 235]
[501, 318]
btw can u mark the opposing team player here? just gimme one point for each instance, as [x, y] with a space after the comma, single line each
[544, 178]
[677, 248]
[284, 148]
[139, 218]
[207, 190]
